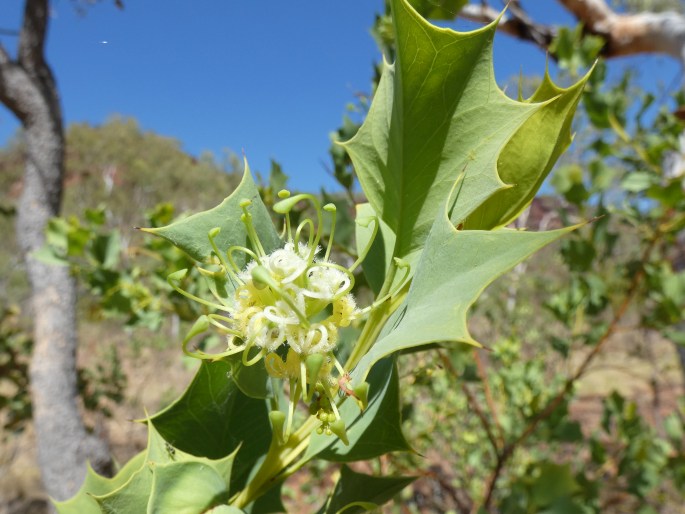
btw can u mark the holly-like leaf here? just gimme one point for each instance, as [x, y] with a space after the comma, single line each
[356, 492]
[190, 234]
[186, 488]
[530, 154]
[455, 267]
[96, 485]
[437, 112]
[213, 418]
[160, 479]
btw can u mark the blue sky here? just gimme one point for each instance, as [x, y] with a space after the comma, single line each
[271, 79]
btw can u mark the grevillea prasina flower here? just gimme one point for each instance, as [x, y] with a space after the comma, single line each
[287, 308]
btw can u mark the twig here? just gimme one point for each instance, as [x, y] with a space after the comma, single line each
[482, 374]
[473, 403]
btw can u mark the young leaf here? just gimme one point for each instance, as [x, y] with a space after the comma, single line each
[190, 234]
[529, 156]
[437, 112]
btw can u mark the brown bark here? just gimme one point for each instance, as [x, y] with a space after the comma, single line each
[28, 89]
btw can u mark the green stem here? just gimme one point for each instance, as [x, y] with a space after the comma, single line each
[278, 458]
[374, 323]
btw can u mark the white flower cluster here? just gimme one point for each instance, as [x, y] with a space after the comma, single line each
[303, 304]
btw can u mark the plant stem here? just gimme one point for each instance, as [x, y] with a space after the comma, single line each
[482, 373]
[278, 458]
[375, 322]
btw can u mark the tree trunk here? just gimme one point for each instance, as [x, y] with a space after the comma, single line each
[28, 89]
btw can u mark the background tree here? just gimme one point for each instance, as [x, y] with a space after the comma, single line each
[28, 89]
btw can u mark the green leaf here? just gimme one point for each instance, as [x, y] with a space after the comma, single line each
[529, 156]
[47, 255]
[190, 234]
[131, 497]
[160, 479]
[637, 181]
[377, 261]
[186, 488]
[455, 268]
[437, 112]
[374, 432]
[96, 485]
[253, 380]
[106, 249]
[565, 505]
[213, 417]
[554, 481]
[356, 492]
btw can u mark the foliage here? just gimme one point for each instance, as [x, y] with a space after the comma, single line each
[15, 346]
[433, 156]
[521, 442]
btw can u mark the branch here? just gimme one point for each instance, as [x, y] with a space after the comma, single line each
[628, 34]
[625, 34]
[15, 85]
[32, 36]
